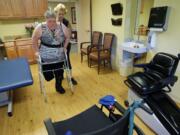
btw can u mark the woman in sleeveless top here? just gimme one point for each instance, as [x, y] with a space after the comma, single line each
[54, 39]
[60, 11]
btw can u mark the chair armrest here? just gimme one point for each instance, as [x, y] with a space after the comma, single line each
[98, 46]
[169, 80]
[166, 82]
[49, 127]
[81, 45]
[102, 49]
[141, 65]
[93, 45]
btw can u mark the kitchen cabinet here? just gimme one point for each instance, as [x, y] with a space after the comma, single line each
[41, 6]
[35, 8]
[20, 48]
[25, 49]
[30, 9]
[22, 8]
[5, 8]
[10, 50]
[18, 8]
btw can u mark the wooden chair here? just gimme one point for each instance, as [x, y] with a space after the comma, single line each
[96, 40]
[103, 52]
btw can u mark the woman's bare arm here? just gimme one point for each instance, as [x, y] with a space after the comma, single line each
[69, 29]
[67, 35]
[35, 38]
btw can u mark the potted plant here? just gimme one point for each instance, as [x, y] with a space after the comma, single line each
[30, 28]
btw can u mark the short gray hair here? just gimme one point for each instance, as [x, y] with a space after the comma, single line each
[49, 14]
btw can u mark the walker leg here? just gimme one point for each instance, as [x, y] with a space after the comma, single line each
[40, 81]
[68, 73]
[44, 91]
[40, 76]
[70, 81]
[10, 104]
[42, 87]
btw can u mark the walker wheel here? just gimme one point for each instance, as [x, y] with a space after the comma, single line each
[10, 114]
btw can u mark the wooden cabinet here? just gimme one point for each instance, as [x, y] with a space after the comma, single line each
[36, 8]
[31, 8]
[22, 8]
[5, 8]
[10, 50]
[21, 48]
[25, 49]
[41, 7]
[18, 8]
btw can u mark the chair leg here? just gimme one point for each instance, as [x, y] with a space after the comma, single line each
[88, 59]
[99, 63]
[89, 62]
[81, 57]
[110, 64]
[104, 63]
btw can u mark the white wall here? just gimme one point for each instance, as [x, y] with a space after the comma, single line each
[144, 16]
[15, 27]
[83, 21]
[169, 41]
[102, 15]
[133, 10]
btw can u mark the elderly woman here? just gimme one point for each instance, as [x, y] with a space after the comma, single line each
[54, 39]
[60, 11]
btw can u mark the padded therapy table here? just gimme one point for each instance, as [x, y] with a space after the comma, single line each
[13, 74]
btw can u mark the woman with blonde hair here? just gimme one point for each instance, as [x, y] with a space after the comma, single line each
[60, 11]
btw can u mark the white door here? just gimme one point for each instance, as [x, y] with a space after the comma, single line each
[83, 21]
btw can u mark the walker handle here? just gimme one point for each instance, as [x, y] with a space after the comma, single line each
[38, 58]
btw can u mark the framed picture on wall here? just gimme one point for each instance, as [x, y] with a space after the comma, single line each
[73, 15]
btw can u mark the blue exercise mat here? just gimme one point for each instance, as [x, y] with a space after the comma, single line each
[14, 74]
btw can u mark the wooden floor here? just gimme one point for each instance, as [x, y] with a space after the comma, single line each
[30, 109]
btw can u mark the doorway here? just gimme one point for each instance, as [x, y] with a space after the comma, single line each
[84, 20]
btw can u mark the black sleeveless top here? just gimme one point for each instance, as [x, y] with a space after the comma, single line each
[66, 22]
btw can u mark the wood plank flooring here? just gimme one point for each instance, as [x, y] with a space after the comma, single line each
[30, 110]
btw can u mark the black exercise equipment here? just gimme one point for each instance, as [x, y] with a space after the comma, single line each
[152, 85]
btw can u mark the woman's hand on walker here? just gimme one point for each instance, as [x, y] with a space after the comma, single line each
[37, 54]
[65, 49]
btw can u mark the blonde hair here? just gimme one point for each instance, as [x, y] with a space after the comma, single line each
[60, 7]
